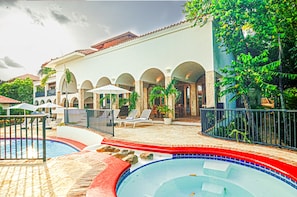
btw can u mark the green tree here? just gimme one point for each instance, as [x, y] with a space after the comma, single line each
[133, 97]
[250, 30]
[19, 89]
[48, 72]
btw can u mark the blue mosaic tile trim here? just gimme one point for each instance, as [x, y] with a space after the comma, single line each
[122, 178]
[264, 169]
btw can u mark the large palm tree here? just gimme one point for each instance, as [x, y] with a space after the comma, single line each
[48, 72]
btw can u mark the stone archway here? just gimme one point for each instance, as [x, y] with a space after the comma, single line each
[96, 97]
[71, 88]
[148, 80]
[191, 82]
[85, 99]
[126, 81]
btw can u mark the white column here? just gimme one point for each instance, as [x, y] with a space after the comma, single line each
[81, 98]
[139, 90]
[210, 88]
[193, 99]
[171, 99]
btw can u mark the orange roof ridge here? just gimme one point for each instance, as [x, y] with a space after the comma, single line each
[6, 100]
[114, 40]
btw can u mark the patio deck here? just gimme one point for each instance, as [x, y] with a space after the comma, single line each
[70, 175]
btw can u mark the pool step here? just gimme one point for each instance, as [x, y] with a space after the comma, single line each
[216, 168]
[212, 190]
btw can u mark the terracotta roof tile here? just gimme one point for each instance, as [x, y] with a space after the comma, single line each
[6, 100]
[167, 27]
[114, 41]
[25, 76]
[86, 51]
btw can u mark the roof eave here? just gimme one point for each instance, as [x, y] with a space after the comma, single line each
[64, 59]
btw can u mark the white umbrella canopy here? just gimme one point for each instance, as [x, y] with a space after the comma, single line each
[109, 89]
[24, 106]
[60, 110]
[49, 105]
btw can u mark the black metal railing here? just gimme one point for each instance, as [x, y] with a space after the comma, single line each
[268, 127]
[39, 94]
[51, 92]
[100, 120]
[22, 137]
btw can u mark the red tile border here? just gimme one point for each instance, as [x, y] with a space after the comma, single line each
[105, 183]
[78, 145]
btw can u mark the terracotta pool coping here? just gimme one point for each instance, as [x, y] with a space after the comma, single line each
[105, 183]
[78, 145]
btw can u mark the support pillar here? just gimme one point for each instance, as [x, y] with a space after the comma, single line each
[139, 90]
[193, 99]
[58, 96]
[81, 99]
[96, 101]
[210, 88]
[171, 99]
[145, 98]
[185, 100]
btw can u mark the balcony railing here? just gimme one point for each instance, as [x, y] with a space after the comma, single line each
[39, 94]
[267, 127]
[51, 92]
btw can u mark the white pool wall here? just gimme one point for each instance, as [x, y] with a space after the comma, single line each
[79, 134]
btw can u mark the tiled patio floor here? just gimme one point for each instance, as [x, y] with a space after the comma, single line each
[70, 175]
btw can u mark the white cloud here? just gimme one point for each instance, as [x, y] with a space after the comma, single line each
[80, 19]
[10, 63]
[36, 17]
[33, 32]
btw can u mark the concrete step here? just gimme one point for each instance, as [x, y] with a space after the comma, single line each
[216, 168]
[212, 190]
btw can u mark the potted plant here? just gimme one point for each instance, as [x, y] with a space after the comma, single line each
[164, 93]
[133, 100]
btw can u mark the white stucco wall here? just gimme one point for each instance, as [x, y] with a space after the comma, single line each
[79, 134]
[166, 48]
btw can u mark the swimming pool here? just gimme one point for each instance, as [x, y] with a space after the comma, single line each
[117, 171]
[16, 148]
[204, 175]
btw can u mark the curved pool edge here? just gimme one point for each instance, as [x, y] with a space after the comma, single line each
[75, 144]
[106, 187]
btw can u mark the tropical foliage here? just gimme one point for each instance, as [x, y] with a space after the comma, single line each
[164, 93]
[133, 98]
[48, 72]
[262, 36]
[19, 89]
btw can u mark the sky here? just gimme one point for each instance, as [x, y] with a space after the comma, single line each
[34, 32]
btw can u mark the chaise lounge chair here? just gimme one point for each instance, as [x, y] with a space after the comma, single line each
[131, 116]
[144, 118]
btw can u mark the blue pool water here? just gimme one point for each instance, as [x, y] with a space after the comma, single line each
[16, 148]
[195, 177]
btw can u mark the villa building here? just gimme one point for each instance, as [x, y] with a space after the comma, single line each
[138, 63]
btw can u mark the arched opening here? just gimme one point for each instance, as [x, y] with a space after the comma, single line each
[191, 83]
[151, 78]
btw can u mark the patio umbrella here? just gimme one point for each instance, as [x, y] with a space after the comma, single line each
[24, 106]
[49, 105]
[109, 89]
